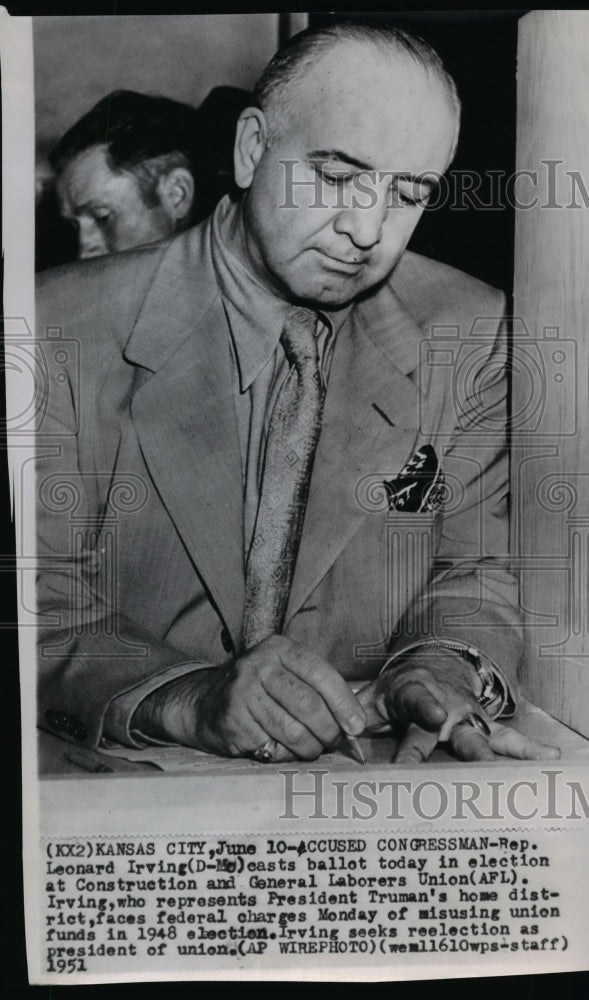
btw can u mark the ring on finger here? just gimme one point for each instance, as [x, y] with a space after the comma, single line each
[266, 753]
[477, 722]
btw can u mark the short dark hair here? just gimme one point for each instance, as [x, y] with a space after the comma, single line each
[299, 54]
[144, 135]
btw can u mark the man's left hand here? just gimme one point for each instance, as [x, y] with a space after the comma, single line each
[429, 698]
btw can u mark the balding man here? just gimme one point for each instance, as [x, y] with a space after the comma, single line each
[279, 492]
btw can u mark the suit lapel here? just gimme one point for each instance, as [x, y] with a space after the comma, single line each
[370, 428]
[184, 416]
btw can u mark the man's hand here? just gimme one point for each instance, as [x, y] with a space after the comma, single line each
[428, 697]
[279, 690]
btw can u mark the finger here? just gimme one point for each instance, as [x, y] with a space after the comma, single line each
[373, 702]
[412, 701]
[325, 679]
[244, 734]
[469, 743]
[280, 754]
[416, 746]
[304, 704]
[286, 730]
[511, 743]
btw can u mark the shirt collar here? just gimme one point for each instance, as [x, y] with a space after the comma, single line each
[256, 316]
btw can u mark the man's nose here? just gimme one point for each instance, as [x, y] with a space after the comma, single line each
[91, 241]
[363, 219]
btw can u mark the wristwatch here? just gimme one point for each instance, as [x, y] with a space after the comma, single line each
[495, 696]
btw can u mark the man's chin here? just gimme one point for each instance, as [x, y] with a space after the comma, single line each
[327, 301]
[330, 296]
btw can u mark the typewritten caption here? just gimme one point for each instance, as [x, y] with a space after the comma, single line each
[257, 899]
[302, 874]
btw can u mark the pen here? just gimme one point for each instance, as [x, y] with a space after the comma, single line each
[356, 749]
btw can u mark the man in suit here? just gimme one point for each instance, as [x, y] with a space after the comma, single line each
[137, 168]
[127, 173]
[162, 502]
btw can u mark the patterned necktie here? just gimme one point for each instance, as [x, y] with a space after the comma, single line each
[290, 448]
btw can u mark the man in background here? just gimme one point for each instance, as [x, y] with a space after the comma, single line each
[126, 173]
[137, 169]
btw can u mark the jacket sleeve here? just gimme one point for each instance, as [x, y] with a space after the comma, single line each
[88, 653]
[472, 599]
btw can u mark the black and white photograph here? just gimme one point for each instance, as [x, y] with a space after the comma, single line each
[297, 421]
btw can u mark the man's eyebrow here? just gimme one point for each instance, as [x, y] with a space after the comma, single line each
[424, 180]
[338, 154]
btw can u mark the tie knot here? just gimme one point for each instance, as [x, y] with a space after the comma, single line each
[298, 335]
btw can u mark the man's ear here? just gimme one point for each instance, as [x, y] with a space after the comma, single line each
[250, 142]
[176, 193]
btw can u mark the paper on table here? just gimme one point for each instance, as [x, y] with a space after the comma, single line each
[184, 759]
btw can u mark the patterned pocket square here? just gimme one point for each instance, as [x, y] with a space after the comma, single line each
[419, 487]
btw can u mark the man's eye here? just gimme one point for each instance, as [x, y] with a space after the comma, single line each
[330, 177]
[409, 201]
[335, 179]
[405, 199]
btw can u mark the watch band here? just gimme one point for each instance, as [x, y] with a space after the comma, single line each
[495, 696]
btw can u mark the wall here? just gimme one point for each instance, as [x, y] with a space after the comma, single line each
[551, 362]
[80, 59]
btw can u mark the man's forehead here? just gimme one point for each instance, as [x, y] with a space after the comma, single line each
[363, 70]
[87, 164]
[89, 172]
[373, 101]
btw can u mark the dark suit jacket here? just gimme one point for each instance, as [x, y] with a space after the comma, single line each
[140, 519]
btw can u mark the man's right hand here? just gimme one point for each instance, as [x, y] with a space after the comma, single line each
[279, 690]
